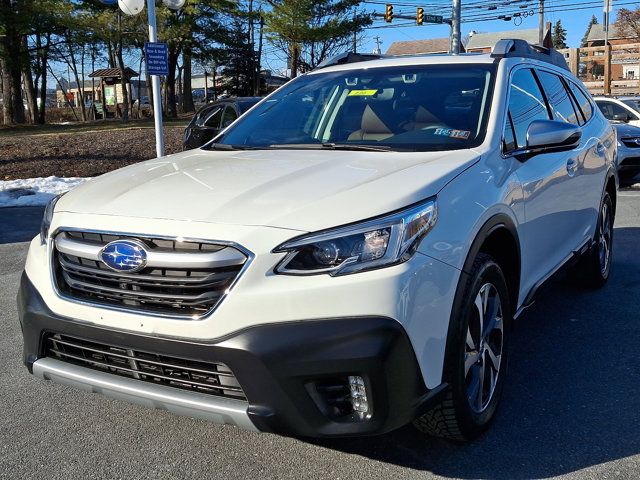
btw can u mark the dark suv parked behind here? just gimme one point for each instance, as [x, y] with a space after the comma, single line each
[213, 118]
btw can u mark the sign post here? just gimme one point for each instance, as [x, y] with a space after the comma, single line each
[154, 54]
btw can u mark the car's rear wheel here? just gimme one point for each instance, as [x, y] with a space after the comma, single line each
[594, 268]
[476, 356]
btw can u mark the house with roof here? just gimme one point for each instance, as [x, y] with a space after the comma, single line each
[484, 42]
[420, 47]
[624, 65]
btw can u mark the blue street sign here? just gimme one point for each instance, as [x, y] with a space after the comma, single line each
[157, 58]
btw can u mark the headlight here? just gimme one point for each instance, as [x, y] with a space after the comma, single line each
[375, 243]
[46, 219]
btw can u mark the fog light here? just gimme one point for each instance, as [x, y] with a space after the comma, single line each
[359, 400]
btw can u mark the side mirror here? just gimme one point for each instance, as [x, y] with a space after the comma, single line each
[622, 117]
[552, 135]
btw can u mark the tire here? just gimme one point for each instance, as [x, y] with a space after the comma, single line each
[594, 268]
[468, 358]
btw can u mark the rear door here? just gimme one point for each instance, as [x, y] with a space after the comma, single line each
[551, 229]
[211, 123]
[229, 116]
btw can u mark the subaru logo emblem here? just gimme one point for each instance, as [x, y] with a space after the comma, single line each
[124, 255]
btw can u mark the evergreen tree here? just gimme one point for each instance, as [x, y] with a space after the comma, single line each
[559, 36]
[593, 21]
[238, 61]
[309, 31]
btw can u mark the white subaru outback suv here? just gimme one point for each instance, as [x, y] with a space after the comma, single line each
[344, 259]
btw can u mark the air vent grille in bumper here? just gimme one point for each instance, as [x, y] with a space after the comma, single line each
[181, 278]
[210, 378]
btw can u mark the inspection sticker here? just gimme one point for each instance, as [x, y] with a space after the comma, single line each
[362, 93]
[450, 132]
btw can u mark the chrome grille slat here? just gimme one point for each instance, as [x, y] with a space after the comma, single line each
[209, 280]
[226, 257]
[171, 371]
[194, 299]
[182, 279]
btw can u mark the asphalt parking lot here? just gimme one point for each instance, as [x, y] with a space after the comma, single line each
[571, 406]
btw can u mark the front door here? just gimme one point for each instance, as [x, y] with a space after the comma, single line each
[549, 233]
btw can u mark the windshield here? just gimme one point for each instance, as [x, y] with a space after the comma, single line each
[410, 108]
[635, 104]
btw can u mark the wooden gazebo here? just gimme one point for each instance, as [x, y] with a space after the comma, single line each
[110, 87]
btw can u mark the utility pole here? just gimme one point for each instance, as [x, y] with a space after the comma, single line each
[541, 22]
[607, 10]
[378, 50]
[455, 27]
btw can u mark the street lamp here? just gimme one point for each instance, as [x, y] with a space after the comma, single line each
[134, 7]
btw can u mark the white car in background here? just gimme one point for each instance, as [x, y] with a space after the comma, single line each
[620, 109]
[344, 259]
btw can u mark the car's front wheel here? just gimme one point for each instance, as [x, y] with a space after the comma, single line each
[476, 356]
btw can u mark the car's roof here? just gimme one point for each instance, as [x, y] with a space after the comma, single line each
[407, 60]
[620, 98]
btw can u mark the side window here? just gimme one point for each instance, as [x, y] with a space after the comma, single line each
[526, 104]
[229, 116]
[613, 111]
[509, 136]
[583, 101]
[558, 96]
[213, 119]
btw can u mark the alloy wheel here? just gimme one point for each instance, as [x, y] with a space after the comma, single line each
[604, 238]
[483, 348]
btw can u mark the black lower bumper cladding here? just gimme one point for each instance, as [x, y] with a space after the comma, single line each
[277, 365]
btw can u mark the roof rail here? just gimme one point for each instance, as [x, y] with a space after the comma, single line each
[348, 57]
[513, 47]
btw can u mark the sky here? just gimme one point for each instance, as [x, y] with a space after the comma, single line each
[575, 22]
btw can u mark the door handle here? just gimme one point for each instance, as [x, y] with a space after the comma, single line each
[572, 166]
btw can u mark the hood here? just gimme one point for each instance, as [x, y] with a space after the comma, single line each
[303, 190]
[626, 130]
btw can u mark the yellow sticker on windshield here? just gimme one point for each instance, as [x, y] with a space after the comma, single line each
[362, 93]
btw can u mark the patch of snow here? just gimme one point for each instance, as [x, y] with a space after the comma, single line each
[30, 192]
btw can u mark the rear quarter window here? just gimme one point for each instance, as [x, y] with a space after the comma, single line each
[583, 101]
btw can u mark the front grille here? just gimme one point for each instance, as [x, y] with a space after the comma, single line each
[631, 142]
[210, 378]
[630, 162]
[181, 278]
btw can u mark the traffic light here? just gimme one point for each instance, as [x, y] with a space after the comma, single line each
[420, 15]
[388, 13]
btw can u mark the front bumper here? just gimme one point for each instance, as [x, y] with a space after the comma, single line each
[276, 365]
[628, 161]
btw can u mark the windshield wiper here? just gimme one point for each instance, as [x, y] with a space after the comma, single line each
[356, 147]
[332, 146]
[225, 147]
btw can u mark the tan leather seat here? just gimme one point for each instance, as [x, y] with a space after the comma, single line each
[371, 127]
[423, 119]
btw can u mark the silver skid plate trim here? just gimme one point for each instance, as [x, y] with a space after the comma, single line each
[192, 404]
